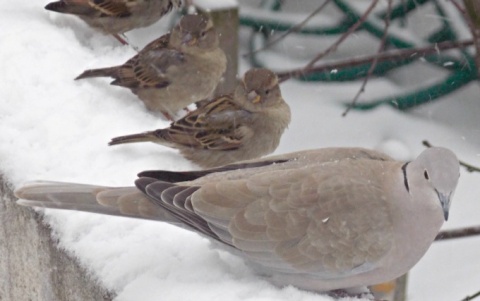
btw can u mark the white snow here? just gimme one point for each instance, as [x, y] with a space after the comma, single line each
[54, 128]
[212, 5]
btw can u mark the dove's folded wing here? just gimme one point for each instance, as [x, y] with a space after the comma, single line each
[324, 219]
[290, 160]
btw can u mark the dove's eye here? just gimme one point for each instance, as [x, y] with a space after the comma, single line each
[425, 174]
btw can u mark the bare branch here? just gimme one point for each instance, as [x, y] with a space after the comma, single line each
[468, 298]
[291, 30]
[381, 48]
[469, 167]
[352, 29]
[459, 7]
[394, 55]
[458, 233]
[469, 16]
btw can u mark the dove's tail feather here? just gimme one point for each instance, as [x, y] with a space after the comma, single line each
[69, 7]
[120, 201]
[101, 72]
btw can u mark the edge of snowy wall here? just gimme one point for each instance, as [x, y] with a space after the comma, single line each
[32, 266]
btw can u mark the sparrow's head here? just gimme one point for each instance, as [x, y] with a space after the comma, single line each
[260, 88]
[195, 32]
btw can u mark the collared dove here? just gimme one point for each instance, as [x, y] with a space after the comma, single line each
[115, 17]
[244, 125]
[320, 220]
[177, 69]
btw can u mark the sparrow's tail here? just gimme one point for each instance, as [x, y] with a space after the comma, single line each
[74, 7]
[153, 136]
[101, 72]
[120, 201]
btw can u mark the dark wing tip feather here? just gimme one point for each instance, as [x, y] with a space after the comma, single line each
[143, 182]
[182, 176]
[172, 176]
[155, 190]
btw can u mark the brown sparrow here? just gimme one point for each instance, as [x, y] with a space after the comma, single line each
[115, 17]
[168, 76]
[246, 124]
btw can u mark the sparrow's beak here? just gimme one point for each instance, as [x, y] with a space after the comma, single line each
[445, 202]
[189, 40]
[253, 97]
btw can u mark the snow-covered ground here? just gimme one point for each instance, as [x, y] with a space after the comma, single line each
[54, 128]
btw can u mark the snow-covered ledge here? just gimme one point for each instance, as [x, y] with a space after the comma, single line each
[32, 267]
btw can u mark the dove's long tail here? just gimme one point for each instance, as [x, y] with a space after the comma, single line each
[120, 201]
[69, 7]
[101, 72]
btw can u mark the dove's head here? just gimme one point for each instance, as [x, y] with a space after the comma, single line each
[259, 89]
[194, 33]
[435, 171]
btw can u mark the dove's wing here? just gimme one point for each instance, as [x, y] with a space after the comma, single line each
[290, 160]
[329, 219]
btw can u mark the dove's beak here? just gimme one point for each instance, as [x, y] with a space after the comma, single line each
[445, 202]
[253, 97]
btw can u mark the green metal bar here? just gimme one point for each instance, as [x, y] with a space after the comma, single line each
[422, 96]
[279, 25]
[446, 33]
[274, 5]
[354, 73]
[402, 9]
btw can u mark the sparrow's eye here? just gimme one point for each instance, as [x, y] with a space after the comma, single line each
[203, 34]
[267, 92]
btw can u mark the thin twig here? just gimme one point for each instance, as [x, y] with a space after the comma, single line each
[459, 7]
[458, 233]
[352, 29]
[394, 55]
[469, 167]
[467, 15]
[381, 48]
[291, 30]
[468, 298]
